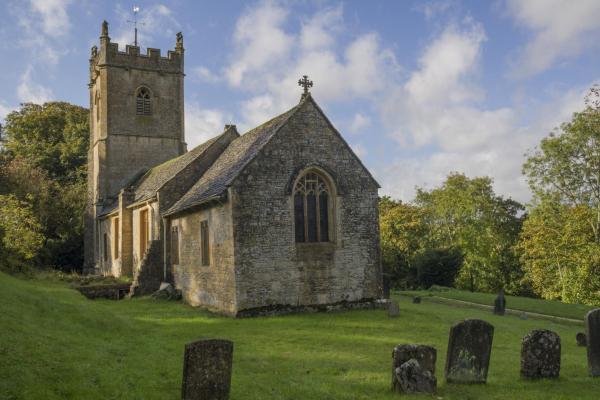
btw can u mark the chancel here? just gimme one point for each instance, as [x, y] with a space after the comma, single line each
[283, 216]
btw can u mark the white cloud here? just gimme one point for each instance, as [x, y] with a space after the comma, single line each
[202, 124]
[268, 60]
[561, 29]
[5, 109]
[359, 122]
[260, 41]
[432, 9]
[55, 20]
[29, 91]
[205, 74]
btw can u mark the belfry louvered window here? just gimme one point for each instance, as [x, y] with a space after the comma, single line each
[311, 208]
[143, 102]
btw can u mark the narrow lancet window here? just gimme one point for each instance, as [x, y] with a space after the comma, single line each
[311, 208]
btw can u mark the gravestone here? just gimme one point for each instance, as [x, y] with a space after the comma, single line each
[523, 316]
[540, 354]
[469, 349]
[410, 377]
[592, 333]
[393, 309]
[500, 303]
[417, 300]
[386, 285]
[581, 339]
[207, 368]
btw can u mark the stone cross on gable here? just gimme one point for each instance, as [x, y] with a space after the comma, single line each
[305, 83]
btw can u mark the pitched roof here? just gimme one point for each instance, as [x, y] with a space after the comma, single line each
[231, 162]
[155, 178]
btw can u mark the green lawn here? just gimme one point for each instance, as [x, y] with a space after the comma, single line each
[55, 344]
[556, 308]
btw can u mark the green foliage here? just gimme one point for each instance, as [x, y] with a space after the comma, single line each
[560, 242]
[466, 214]
[43, 164]
[20, 236]
[402, 233]
[438, 267]
[53, 136]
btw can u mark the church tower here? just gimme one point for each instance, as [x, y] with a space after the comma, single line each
[136, 122]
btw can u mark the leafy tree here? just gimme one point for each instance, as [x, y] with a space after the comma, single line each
[438, 266]
[43, 165]
[20, 233]
[53, 136]
[466, 214]
[402, 236]
[560, 243]
[559, 254]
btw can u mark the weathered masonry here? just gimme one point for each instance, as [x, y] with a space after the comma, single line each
[279, 218]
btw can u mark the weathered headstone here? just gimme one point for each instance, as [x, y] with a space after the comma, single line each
[416, 300]
[540, 354]
[500, 303]
[207, 368]
[386, 285]
[523, 316]
[581, 339]
[592, 333]
[410, 377]
[469, 349]
[393, 309]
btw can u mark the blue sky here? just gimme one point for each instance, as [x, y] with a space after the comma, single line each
[418, 89]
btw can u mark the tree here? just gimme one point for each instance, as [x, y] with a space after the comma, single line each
[53, 136]
[402, 236]
[466, 214]
[43, 166]
[20, 236]
[560, 243]
[559, 254]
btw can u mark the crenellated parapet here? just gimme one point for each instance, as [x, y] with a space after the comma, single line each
[108, 54]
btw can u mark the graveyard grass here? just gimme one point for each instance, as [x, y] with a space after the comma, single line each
[55, 344]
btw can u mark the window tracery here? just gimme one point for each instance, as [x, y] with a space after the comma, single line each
[312, 198]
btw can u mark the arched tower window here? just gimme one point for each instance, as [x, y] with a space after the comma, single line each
[143, 102]
[312, 208]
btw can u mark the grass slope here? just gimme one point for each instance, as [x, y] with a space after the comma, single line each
[55, 344]
[549, 307]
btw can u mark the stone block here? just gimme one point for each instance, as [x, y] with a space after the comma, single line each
[469, 350]
[540, 355]
[500, 304]
[581, 339]
[207, 368]
[424, 355]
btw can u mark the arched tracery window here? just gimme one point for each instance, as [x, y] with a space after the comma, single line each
[312, 197]
[143, 102]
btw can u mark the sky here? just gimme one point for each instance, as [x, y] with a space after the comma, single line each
[418, 89]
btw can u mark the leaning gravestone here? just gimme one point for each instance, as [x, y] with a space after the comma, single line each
[592, 332]
[581, 339]
[413, 368]
[393, 309]
[207, 370]
[500, 304]
[540, 354]
[469, 349]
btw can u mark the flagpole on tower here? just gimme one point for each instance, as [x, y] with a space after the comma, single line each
[136, 10]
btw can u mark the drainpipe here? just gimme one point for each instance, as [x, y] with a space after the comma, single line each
[164, 249]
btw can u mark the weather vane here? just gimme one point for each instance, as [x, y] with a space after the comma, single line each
[136, 10]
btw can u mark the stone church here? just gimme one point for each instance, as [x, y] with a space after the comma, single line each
[283, 216]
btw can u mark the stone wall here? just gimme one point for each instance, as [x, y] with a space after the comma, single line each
[270, 267]
[210, 286]
[154, 226]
